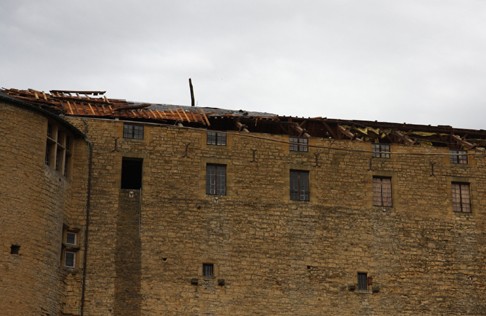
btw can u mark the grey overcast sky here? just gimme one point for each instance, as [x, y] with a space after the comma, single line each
[414, 61]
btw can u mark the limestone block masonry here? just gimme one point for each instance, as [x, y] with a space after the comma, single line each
[150, 240]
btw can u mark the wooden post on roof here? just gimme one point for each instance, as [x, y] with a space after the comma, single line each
[193, 103]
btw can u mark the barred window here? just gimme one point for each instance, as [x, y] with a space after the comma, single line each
[208, 270]
[132, 131]
[215, 179]
[461, 200]
[298, 144]
[362, 281]
[458, 156]
[381, 150]
[382, 191]
[216, 138]
[299, 185]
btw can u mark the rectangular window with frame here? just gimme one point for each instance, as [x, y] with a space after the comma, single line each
[69, 259]
[71, 238]
[215, 179]
[381, 150]
[298, 144]
[208, 270]
[382, 191]
[299, 185]
[216, 138]
[362, 281]
[58, 149]
[458, 156]
[132, 131]
[461, 199]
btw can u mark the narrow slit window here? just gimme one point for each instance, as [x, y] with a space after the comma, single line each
[131, 177]
[382, 191]
[461, 200]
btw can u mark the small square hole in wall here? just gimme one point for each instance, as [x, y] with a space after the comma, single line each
[14, 249]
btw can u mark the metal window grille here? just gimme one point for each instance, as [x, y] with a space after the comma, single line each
[458, 157]
[215, 179]
[208, 270]
[362, 281]
[132, 131]
[299, 185]
[216, 138]
[461, 200]
[299, 144]
[381, 150]
[382, 191]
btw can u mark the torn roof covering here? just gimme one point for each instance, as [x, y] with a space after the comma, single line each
[96, 104]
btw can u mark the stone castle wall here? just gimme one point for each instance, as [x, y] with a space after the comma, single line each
[271, 255]
[37, 203]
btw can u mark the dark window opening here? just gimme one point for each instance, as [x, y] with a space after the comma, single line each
[381, 150]
[216, 138]
[14, 249]
[131, 177]
[208, 270]
[215, 179]
[362, 281]
[299, 185]
[132, 131]
[298, 144]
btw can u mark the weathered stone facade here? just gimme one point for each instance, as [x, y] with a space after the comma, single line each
[271, 255]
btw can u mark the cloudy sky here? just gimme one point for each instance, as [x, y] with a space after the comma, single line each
[414, 61]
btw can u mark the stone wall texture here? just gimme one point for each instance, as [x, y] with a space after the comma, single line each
[37, 204]
[274, 256]
[271, 255]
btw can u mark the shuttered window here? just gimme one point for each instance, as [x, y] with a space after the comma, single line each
[382, 191]
[299, 185]
[461, 200]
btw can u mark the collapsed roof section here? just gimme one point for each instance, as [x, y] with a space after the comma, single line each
[96, 104]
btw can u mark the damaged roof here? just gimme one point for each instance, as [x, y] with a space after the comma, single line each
[96, 104]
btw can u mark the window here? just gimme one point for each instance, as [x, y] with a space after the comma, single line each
[58, 149]
[208, 270]
[215, 179]
[299, 185]
[71, 238]
[458, 157]
[14, 249]
[461, 200]
[298, 144]
[216, 138]
[382, 191]
[131, 177]
[69, 247]
[362, 281]
[381, 150]
[69, 259]
[132, 131]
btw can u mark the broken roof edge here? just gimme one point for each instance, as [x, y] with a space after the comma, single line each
[48, 113]
[78, 103]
